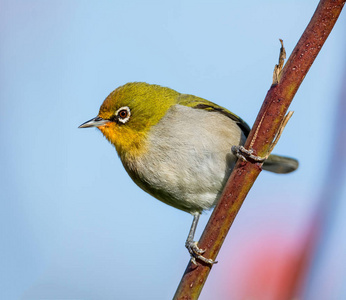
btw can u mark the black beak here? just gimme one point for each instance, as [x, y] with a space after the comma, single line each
[95, 122]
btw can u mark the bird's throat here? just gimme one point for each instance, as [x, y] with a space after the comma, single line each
[128, 143]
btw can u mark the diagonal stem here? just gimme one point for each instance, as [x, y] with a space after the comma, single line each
[268, 121]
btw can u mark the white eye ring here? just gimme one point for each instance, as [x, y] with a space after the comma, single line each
[123, 114]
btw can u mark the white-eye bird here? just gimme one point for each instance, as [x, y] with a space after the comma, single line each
[176, 147]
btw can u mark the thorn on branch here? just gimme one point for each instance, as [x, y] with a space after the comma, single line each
[281, 129]
[278, 68]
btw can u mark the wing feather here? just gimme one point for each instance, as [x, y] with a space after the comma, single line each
[200, 103]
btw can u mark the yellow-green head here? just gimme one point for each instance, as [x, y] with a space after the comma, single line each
[128, 113]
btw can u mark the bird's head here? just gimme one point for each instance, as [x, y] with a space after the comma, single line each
[129, 112]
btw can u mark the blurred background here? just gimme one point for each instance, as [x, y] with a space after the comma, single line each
[72, 223]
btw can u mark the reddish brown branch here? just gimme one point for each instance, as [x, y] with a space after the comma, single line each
[272, 112]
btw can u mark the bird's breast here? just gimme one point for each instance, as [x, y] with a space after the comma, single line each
[188, 158]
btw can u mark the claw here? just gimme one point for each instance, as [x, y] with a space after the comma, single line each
[196, 253]
[191, 245]
[195, 248]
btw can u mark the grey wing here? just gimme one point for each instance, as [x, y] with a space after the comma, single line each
[239, 121]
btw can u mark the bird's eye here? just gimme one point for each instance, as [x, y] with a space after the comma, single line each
[123, 114]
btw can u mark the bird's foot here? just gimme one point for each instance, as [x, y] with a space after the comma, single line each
[247, 155]
[196, 253]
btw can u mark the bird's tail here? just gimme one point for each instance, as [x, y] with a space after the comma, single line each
[280, 164]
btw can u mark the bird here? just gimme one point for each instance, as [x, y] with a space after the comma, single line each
[176, 147]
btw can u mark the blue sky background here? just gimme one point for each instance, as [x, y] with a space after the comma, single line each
[72, 223]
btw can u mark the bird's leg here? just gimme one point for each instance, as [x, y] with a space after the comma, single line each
[191, 245]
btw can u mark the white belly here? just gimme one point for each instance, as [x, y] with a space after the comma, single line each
[189, 159]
